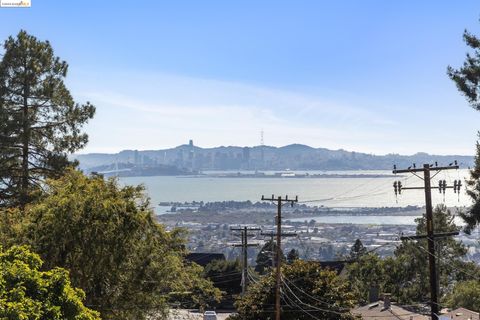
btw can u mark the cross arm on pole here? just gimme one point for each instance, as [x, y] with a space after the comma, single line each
[436, 236]
[274, 234]
[414, 170]
[423, 188]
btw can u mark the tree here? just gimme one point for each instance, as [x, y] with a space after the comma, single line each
[357, 250]
[467, 80]
[292, 256]
[40, 123]
[125, 261]
[365, 274]
[309, 292]
[26, 292]
[406, 274]
[472, 215]
[266, 256]
[226, 275]
[465, 294]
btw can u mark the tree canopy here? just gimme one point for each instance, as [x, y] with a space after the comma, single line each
[292, 255]
[266, 256]
[108, 238]
[308, 292]
[467, 77]
[226, 275]
[27, 292]
[405, 275]
[467, 80]
[40, 123]
[357, 250]
[465, 294]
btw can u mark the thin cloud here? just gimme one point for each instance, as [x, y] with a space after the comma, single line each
[219, 112]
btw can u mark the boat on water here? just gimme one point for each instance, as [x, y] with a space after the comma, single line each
[286, 174]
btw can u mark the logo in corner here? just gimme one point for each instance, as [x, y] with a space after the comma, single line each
[15, 3]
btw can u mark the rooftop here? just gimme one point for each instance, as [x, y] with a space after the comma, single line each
[377, 311]
[460, 314]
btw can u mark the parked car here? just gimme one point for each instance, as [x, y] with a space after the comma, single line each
[210, 315]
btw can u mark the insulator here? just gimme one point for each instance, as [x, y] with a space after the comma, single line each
[414, 166]
[395, 187]
[436, 164]
[455, 186]
[456, 163]
[442, 185]
[399, 187]
[395, 167]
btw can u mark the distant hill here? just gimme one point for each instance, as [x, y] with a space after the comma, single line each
[190, 158]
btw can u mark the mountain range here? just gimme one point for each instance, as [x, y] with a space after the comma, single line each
[188, 158]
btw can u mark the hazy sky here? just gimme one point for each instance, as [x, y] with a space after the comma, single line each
[367, 76]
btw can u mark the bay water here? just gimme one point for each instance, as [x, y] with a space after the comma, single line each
[350, 191]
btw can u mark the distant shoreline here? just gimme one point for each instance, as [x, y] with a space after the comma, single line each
[281, 175]
[269, 176]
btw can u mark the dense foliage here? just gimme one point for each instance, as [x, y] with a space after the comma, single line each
[405, 275]
[266, 257]
[225, 275]
[465, 294]
[40, 123]
[308, 292]
[467, 80]
[26, 292]
[292, 256]
[126, 263]
[366, 274]
[357, 250]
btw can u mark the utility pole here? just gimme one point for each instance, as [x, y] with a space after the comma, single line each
[244, 245]
[430, 236]
[278, 259]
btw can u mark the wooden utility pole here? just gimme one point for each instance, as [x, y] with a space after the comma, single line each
[430, 236]
[278, 259]
[244, 245]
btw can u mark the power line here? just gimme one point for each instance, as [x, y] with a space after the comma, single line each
[297, 306]
[310, 296]
[426, 170]
[309, 305]
[473, 276]
[244, 233]
[278, 259]
[341, 196]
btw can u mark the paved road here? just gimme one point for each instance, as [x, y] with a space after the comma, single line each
[192, 315]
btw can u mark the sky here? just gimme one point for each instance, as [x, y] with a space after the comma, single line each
[366, 76]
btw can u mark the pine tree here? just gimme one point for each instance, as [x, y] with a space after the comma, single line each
[40, 123]
[292, 256]
[467, 79]
[266, 256]
[357, 250]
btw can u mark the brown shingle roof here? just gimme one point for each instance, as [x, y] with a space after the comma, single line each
[376, 311]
